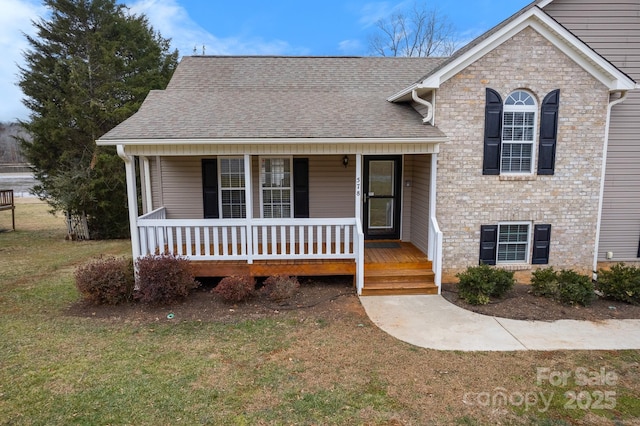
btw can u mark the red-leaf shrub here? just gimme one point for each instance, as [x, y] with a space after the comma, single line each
[163, 279]
[280, 287]
[106, 280]
[235, 289]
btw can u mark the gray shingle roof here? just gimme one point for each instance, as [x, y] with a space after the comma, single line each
[281, 97]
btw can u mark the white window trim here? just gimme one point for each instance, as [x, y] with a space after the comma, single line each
[536, 118]
[527, 260]
[221, 189]
[260, 190]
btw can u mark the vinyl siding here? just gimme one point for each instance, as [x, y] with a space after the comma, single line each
[156, 182]
[419, 213]
[407, 197]
[331, 186]
[182, 187]
[612, 28]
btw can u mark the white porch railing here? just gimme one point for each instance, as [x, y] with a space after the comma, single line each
[250, 239]
[435, 250]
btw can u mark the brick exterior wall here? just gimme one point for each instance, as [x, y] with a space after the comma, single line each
[568, 200]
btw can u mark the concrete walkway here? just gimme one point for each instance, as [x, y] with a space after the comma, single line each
[433, 322]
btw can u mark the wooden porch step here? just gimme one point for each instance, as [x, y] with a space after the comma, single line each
[399, 289]
[398, 279]
[376, 268]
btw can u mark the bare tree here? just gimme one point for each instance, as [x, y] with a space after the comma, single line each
[9, 147]
[419, 32]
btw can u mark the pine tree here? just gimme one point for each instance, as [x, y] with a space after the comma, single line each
[89, 68]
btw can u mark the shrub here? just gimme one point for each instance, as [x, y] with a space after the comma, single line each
[235, 289]
[565, 286]
[545, 282]
[106, 280]
[479, 283]
[280, 287]
[574, 288]
[621, 283]
[163, 279]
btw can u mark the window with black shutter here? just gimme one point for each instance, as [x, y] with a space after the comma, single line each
[511, 242]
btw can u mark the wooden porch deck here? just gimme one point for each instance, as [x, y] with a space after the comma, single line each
[391, 268]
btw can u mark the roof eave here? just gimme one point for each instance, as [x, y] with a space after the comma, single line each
[269, 141]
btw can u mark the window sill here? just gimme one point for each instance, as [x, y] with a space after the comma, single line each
[522, 178]
[514, 266]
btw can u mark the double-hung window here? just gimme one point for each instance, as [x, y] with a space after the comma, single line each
[232, 188]
[513, 243]
[276, 191]
[518, 133]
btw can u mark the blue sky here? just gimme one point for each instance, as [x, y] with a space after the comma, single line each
[250, 27]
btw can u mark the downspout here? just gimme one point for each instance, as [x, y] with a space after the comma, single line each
[132, 200]
[605, 150]
[419, 100]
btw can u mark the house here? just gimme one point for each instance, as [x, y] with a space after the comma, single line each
[398, 171]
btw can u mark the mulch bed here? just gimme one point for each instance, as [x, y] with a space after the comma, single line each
[325, 296]
[335, 297]
[520, 303]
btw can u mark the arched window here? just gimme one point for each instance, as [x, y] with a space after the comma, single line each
[518, 133]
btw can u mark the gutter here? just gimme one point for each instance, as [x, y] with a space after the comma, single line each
[605, 150]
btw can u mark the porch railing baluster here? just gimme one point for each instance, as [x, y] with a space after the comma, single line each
[234, 241]
[225, 241]
[207, 241]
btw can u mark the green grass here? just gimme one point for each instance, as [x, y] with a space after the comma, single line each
[60, 369]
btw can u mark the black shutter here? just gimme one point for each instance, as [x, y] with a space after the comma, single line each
[210, 188]
[488, 244]
[541, 244]
[301, 187]
[638, 249]
[548, 133]
[492, 133]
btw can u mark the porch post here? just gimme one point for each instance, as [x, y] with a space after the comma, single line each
[145, 176]
[432, 202]
[132, 200]
[358, 239]
[249, 206]
[358, 189]
[435, 234]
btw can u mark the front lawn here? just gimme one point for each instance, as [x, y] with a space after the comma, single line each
[319, 366]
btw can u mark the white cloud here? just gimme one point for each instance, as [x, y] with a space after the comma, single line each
[15, 19]
[371, 13]
[350, 47]
[172, 21]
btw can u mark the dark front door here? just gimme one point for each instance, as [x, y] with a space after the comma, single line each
[381, 196]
